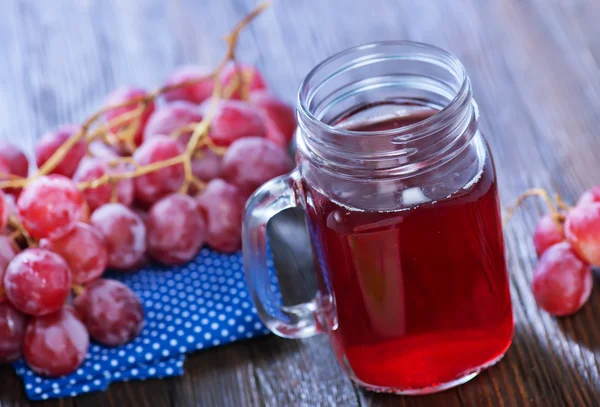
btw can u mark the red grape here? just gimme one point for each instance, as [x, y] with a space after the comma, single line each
[12, 332]
[176, 230]
[233, 120]
[8, 250]
[251, 79]
[196, 93]
[172, 117]
[582, 230]
[83, 250]
[49, 206]
[122, 95]
[279, 117]
[93, 168]
[151, 187]
[112, 313]
[252, 161]
[51, 141]
[55, 344]
[13, 159]
[37, 281]
[124, 234]
[223, 205]
[562, 283]
[592, 195]
[206, 165]
[547, 233]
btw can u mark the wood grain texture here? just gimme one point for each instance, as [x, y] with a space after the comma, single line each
[535, 69]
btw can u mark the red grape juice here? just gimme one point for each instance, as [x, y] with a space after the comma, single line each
[421, 295]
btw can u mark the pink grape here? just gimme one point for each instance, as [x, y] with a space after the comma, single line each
[151, 187]
[94, 168]
[233, 120]
[122, 95]
[11, 205]
[49, 206]
[562, 282]
[13, 159]
[582, 230]
[176, 230]
[56, 344]
[223, 205]
[51, 141]
[112, 313]
[251, 79]
[8, 250]
[279, 117]
[196, 93]
[83, 250]
[171, 117]
[37, 281]
[547, 233]
[12, 332]
[124, 235]
[206, 165]
[252, 161]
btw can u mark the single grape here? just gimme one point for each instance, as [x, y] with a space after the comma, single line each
[51, 141]
[83, 250]
[12, 332]
[582, 230]
[49, 206]
[223, 205]
[252, 161]
[195, 93]
[13, 162]
[562, 283]
[37, 281]
[122, 95]
[56, 344]
[547, 233]
[592, 195]
[8, 250]
[206, 165]
[251, 79]
[233, 120]
[94, 168]
[176, 230]
[279, 117]
[112, 313]
[124, 235]
[151, 187]
[171, 117]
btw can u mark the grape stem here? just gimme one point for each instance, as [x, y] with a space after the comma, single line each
[13, 221]
[131, 122]
[557, 216]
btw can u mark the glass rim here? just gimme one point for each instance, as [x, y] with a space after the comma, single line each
[450, 61]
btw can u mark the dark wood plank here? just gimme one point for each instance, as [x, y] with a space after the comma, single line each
[534, 67]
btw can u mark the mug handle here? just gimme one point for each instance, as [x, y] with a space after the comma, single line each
[295, 321]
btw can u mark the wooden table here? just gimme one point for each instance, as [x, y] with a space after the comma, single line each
[535, 68]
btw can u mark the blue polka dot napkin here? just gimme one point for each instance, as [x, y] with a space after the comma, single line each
[202, 304]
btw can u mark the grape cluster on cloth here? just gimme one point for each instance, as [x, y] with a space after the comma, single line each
[201, 304]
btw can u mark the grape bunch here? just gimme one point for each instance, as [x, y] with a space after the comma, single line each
[152, 176]
[567, 242]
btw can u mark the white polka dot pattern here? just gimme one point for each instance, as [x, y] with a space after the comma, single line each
[202, 304]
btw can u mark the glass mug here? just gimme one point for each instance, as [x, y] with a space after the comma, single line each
[400, 193]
